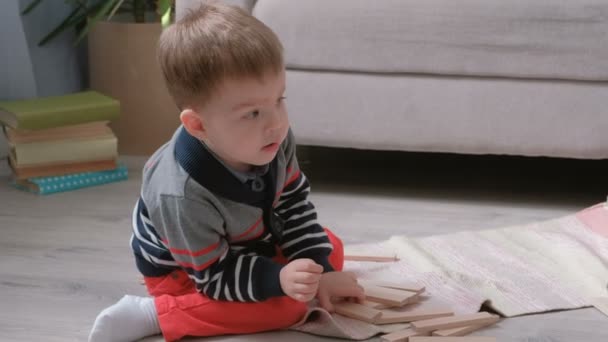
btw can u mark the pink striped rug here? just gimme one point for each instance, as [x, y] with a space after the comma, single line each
[545, 266]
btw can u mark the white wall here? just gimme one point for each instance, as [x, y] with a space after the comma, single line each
[28, 70]
[16, 74]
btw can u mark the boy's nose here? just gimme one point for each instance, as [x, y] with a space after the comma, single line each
[276, 121]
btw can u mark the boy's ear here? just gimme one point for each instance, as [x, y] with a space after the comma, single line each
[193, 123]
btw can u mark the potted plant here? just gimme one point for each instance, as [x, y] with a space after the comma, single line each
[122, 39]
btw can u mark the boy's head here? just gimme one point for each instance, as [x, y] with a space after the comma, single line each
[224, 69]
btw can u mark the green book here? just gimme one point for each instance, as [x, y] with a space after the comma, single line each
[55, 111]
[64, 151]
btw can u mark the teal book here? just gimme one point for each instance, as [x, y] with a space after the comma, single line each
[55, 184]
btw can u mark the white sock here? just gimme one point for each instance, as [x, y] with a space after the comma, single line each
[130, 319]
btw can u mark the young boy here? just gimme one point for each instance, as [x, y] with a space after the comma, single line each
[223, 232]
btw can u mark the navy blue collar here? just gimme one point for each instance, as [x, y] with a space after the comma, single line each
[211, 173]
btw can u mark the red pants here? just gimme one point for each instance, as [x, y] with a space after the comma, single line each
[182, 311]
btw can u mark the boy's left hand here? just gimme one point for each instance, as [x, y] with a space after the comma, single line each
[338, 284]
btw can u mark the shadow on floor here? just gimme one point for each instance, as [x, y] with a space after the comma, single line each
[432, 175]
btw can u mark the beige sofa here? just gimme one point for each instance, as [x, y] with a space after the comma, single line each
[511, 77]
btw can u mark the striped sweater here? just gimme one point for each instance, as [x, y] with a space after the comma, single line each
[196, 215]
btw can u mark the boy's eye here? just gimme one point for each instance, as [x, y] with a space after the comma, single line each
[281, 99]
[254, 114]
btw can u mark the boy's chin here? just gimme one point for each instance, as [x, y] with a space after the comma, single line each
[263, 161]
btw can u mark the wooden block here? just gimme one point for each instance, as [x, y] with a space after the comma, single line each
[452, 339]
[402, 335]
[388, 296]
[389, 316]
[375, 305]
[600, 303]
[370, 258]
[406, 286]
[462, 331]
[416, 298]
[453, 321]
[357, 311]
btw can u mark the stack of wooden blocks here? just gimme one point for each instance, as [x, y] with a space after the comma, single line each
[387, 303]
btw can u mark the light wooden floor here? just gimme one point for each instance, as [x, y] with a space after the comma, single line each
[65, 257]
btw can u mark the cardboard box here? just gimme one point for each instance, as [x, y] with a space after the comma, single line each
[122, 64]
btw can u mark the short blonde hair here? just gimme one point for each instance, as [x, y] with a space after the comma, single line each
[212, 43]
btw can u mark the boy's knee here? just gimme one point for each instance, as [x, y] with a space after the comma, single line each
[286, 312]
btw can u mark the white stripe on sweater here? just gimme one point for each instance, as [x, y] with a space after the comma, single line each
[214, 279]
[302, 226]
[321, 245]
[227, 293]
[223, 256]
[138, 234]
[285, 199]
[198, 280]
[304, 214]
[237, 274]
[152, 259]
[249, 283]
[303, 237]
[147, 223]
[297, 205]
[145, 254]
[302, 180]
[218, 287]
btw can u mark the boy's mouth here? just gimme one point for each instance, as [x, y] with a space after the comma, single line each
[271, 147]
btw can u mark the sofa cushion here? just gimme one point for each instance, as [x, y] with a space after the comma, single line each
[183, 6]
[449, 114]
[562, 39]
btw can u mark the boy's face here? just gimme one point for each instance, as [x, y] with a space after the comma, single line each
[246, 121]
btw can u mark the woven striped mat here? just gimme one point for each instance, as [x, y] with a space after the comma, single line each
[545, 266]
[552, 265]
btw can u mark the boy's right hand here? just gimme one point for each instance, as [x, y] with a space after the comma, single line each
[300, 279]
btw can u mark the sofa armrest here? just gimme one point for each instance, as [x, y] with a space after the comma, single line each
[181, 6]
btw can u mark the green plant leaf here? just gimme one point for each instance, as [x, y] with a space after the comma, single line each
[165, 20]
[101, 12]
[164, 10]
[162, 6]
[70, 21]
[31, 6]
[115, 9]
[82, 4]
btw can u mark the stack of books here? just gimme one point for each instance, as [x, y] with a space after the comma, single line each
[62, 143]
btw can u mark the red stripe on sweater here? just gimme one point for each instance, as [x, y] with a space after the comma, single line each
[198, 253]
[292, 179]
[249, 230]
[258, 234]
